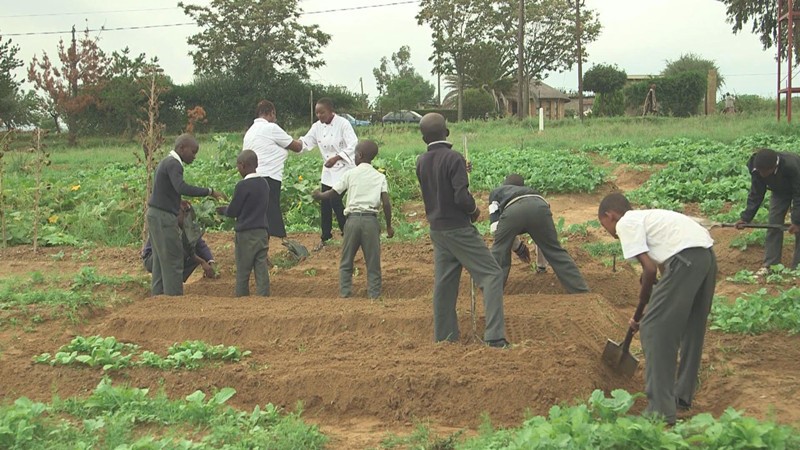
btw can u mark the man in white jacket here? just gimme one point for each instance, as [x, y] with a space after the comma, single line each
[337, 141]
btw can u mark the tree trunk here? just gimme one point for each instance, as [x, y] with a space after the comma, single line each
[55, 121]
[72, 133]
[460, 88]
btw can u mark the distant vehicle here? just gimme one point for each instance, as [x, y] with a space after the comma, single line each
[402, 116]
[355, 122]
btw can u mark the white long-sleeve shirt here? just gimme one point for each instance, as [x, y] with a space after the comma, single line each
[335, 138]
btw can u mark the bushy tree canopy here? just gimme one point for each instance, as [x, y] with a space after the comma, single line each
[604, 79]
[399, 84]
[691, 62]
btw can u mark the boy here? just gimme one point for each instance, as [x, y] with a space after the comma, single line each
[515, 209]
[451, 211]
[366, 190]
[249, 207]
[162, 215]
[678, 308]
[780, 173]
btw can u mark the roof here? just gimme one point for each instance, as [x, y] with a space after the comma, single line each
[542, 91]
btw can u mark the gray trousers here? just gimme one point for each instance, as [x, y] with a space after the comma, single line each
[773, 246]
[361, 231]
[532, 215]
[675, 319]
[165, 237]
[251, 256]
[452, 250]
[189, 264]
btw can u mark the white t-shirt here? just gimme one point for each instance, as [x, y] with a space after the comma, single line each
[335, 138]
[269, 141]
[364, 186]
[659, 233]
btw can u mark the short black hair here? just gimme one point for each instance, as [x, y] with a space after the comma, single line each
[248, 159]
[765, 158]
[327, 102]
[614, 202]
[514, 179]
[368, 150]
[264, 107]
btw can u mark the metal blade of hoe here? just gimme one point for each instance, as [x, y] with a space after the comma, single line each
[621, 361]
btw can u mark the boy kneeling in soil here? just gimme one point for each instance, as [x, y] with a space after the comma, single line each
[366, 190]
[679, 305]
[249, 207]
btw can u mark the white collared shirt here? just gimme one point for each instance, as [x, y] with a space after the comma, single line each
[269, 142]
[364, 186]
[335, 138]
[175, 155]
[659, 233]
[251, 175]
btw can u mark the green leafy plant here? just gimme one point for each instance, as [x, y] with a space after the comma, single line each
[758, 313]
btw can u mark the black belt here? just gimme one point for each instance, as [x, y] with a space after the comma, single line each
[368, 213]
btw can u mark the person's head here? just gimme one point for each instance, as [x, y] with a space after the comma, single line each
[514, 179]
[433, 127]
[186, 147]
[266, 110]
[366, 151]
[765, 161]
[247, 162]
[611, 209]
[324, 110]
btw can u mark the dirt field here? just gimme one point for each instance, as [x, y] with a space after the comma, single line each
[363, 368]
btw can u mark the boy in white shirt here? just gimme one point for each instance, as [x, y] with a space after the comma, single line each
[678, 306]
[366, 190]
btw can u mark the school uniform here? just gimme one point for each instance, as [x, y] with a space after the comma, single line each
[364, 186]
[335, 138]
[676, 315]
[442, 175]
[785, 186]
[249, 207]
[162, 224]
[514, 210]
[269, 142]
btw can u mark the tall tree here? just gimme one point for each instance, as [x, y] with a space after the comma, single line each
[122, 96]
[490, 68]
[691, 62]
[456, 26]
[75, 85]
[399, 84]
[254, 38]
[607, 82]
[763, 14]
[9, 86]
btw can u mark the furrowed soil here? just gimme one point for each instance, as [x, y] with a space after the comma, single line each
[364, 368]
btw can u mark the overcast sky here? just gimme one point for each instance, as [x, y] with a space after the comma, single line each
[637, 35]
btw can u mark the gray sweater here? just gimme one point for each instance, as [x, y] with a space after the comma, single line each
[168, 186]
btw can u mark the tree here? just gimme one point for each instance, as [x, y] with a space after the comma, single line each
[457, 25]
[254, 38]
[400, 86]
[9, 86]
[606, 81]
[491, 69]
[764, 16]
[76, 84]
[692, 63]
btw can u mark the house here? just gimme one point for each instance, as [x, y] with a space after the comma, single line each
[541, 95]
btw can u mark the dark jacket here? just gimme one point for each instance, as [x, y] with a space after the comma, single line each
[249, 204]
[785, 182]
[168, 186]
[442, 175]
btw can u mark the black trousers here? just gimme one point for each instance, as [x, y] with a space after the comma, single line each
[275, 226]
[327, 207]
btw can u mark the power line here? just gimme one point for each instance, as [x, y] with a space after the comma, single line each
[88, 12]
[142, 27]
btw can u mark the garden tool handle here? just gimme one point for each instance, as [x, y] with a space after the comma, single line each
[637, 316]
[776, 226]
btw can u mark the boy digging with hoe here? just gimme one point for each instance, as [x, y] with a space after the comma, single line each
[249, 207]
[366, 190]
[677, 307]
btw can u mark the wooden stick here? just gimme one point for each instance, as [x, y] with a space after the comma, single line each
[473, 302]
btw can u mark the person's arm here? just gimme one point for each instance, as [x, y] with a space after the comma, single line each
[460, 182]
[648, 280]
[387, 213]
[348, 153]
[309, 141]
[283, 139]
[202, 250]
[175, 172]
[795, 216]
[758, 188]
[335, 191]
[236, 204]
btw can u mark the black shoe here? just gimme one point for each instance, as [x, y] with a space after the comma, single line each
[683, 406]
[498, 343]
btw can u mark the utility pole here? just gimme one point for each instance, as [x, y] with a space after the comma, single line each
[73, 66]
[521, 59]
[578, 33]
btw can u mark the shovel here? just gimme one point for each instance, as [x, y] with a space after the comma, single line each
[708, 224]
[618, 356]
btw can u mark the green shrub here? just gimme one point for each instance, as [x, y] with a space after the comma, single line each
[678, 95]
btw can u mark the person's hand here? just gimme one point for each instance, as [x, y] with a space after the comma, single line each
[633, 324]
[739, 224]
[333, 160]
[794, 229]
[469, 166]
[523, 253]
[221, 210]
[389, 232]
[208, 270]
[316, 195]
[217, 195]
[475, 215]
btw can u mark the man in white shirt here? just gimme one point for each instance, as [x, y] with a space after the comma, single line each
[366, 190]
[271, 145]
[678, 308]
[337, 141]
